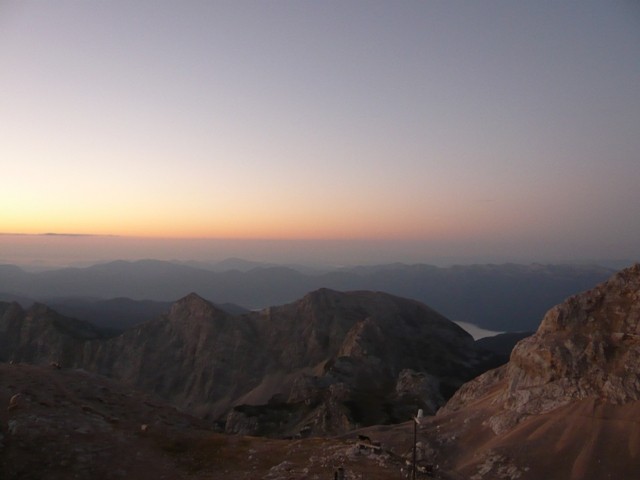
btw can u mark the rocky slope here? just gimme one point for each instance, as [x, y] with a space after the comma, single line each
[41, 335]
[57, 424]
[356, 358]
[564, 407]
[324, 364]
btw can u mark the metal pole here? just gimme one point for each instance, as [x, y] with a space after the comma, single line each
[415, 442]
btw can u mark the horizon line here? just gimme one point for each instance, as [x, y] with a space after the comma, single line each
[57, 234]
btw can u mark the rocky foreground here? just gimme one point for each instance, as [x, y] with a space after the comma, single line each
[62, 424]
[565, 407]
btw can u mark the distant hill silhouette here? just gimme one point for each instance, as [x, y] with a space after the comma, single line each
[111, 316]
[507, 297]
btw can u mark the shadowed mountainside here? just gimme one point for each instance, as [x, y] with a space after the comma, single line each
[111, 316]
[61, 424]
[323, 364]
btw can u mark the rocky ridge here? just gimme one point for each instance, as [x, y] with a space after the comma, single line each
[587, 346]
[564, 407]
[325, 364]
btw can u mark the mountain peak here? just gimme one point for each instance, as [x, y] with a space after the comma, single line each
[586, 347]
[40, 309]
[192, 297]
[322, 295]
[569, 395]
[194, 306]
[610, 308]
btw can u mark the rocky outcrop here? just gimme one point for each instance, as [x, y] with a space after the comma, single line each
[65, 423]
[72, 424]
[569, 394]
[588, 346]
[324, 364]
[41, 335]
[196, 356]
[347, 352]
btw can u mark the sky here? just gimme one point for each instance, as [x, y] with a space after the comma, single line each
[326, 131]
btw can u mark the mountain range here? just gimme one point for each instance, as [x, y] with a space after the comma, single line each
[506, 297]
[563, 408]
[325, 363]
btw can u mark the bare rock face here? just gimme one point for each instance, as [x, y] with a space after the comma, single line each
[73, 424]
[41, 335]
[347, 353]
[196, 356]
[569, 394]
[326, 363]
[588, 346]
[412, 384]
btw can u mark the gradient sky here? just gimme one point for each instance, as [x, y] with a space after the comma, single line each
[460, 129]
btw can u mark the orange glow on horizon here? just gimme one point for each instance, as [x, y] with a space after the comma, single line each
[247, 231]
[248, 218]
[193, 226]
